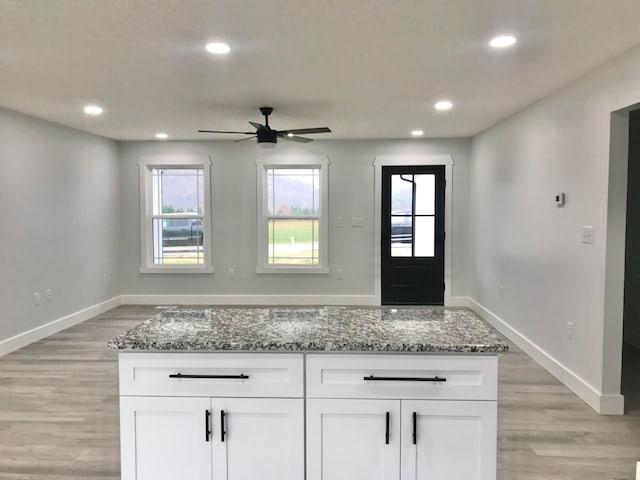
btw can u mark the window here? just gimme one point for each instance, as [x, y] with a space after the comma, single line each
[292, 227]
[174, 204]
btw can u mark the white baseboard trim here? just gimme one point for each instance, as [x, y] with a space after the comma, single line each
[38, 333]
[359, 300]
[458, 302]
[604, 404]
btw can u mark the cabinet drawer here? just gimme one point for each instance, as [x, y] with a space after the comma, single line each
[451, 377]
[212, 374]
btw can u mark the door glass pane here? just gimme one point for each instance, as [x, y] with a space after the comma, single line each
[425, 194]
[425, 237]
[293, 241]
[401, 235]
[177, 190]
[401, 194]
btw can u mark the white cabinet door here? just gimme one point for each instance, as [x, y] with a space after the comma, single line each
[258, 438]
[454, 440]
[164, 438]
[353, 439]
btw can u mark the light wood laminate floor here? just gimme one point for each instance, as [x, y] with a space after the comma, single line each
[59, 413]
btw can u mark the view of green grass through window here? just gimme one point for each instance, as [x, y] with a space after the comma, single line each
[293, 217]
[177, 216]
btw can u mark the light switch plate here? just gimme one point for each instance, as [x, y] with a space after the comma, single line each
[588, 234]
[340, 222]
[357, 221]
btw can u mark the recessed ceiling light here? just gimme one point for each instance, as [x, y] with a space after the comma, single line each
[289, 134]
[443, 105]
[417, 133]
[161, 135]
[503, 41]
[93, 110]
[218, 48]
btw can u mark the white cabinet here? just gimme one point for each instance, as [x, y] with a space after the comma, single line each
[452, 440]
[241, 416]
[353, 439]
[164, 438]
[258, 438]
[204, 439]
[181, 416]
[442, 409]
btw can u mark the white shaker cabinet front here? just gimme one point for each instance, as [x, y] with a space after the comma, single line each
[258, 438]
[203, 439]
[165, 438]
[353, 439]
[448, 440]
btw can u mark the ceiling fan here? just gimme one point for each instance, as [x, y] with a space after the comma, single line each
[268, 137]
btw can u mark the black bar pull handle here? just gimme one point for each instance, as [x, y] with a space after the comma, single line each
[207, 424]
[405, 379]
[386, 433]
[242, 376]
[415, 434]
[222, 430]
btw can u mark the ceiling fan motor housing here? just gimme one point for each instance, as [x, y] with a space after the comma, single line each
[267, 137]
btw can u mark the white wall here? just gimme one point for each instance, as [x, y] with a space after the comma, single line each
[59, 213]
[351, 193]
[523, 242]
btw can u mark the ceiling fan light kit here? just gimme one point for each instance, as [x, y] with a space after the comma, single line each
[268, 137]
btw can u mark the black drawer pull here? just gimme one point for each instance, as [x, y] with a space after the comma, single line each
[386, 433]
[242, 376]
[406, 379]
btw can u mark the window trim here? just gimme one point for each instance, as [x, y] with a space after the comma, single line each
[263, 163]
[145, 165]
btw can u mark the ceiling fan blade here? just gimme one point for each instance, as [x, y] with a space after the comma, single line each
[222, 131]
[296, 131]
[256, 125]
[245, 138]
[296, 138]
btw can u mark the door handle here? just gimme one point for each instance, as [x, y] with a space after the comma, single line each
[386, 433]
[405, 379]
[222, 430]
[207, 423]
[415, 434]
[242, 376]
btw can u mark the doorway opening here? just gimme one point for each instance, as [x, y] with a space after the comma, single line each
[630, 383]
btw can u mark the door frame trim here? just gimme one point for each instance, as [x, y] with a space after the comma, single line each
[413, 160]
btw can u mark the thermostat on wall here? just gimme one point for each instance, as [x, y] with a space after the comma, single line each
[560, 200]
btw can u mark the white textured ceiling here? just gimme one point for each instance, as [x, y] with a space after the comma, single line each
[364, 68]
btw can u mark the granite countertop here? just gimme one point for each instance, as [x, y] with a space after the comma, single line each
[335, 329]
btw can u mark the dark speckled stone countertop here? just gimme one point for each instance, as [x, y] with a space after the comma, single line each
[334, 329]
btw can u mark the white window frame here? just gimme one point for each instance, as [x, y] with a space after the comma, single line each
[292, 161]
[145, 166]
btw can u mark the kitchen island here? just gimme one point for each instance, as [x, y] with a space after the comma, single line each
[318, 393]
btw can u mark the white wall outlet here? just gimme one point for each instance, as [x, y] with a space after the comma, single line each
[36, 298]
[232, 273]
[501, 292]
[570, 331]
[340, 222]
[339, 274]
[357, 221]
[588, 235]
[49, 294]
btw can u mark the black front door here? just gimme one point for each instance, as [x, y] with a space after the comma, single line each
[412, 235]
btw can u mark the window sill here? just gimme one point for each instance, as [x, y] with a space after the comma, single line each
[176, 269]
[294, 270]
